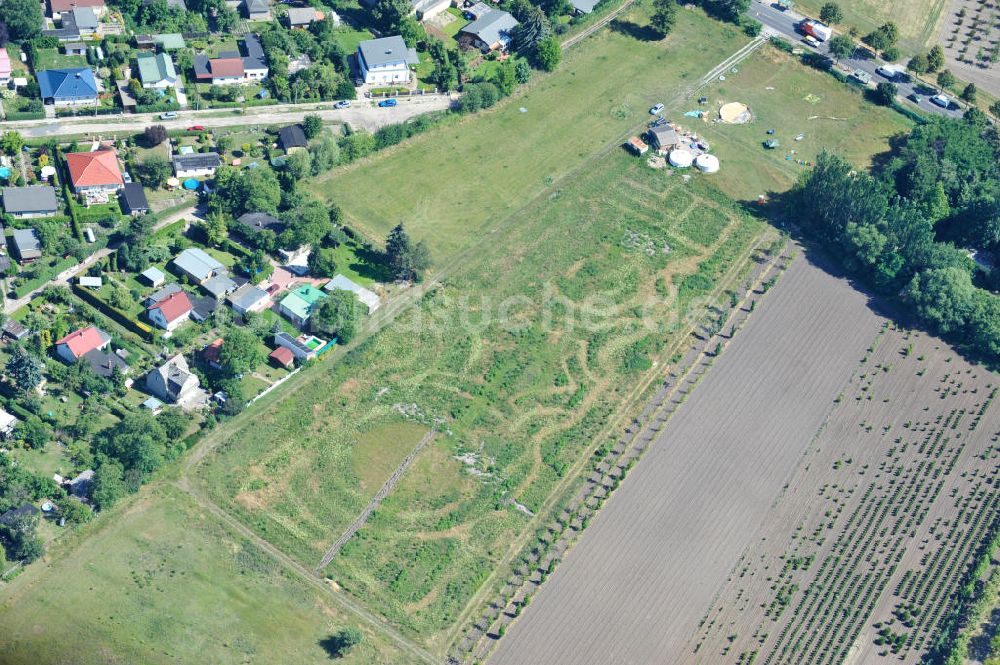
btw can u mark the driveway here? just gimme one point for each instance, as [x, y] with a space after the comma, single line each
[784, 24]
[363, 113]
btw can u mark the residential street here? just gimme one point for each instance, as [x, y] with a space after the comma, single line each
[784, 24]
[363, 113]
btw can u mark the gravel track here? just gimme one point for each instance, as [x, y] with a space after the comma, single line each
[642, 575]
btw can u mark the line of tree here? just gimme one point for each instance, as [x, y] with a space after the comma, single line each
[903, 228]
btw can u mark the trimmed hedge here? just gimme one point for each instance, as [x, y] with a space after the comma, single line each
[44, 276]
[782, 44]
[158, 108]
[238, 105]
[169, 229]
[138, 327]
[26, 115]
[235, 248]
[85, 111]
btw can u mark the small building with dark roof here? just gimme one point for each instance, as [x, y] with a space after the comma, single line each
[196, 164]
[34, 201]
[253, 222]
[26, 245]
[132, 198]
[104, 363]
[292, 138]
[14, 330]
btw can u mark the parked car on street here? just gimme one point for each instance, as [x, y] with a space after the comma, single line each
[196, 128]
[915, 98]
[862, 76]
[944, 101]
[811, 41]
[343, 104]
[169, 115]
[387, 102]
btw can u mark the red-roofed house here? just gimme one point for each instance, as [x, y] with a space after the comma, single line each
[60, 7]
[96, 171]
[282, 357]
[224, 70]
[80, 342]
[212, 353]
[171, 311]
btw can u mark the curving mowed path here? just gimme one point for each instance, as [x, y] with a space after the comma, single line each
[634, 588]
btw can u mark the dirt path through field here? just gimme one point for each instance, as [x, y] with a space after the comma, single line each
[644, 572]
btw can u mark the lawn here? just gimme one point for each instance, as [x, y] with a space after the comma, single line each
[918, 20]
[349, 38]
[45, 461]
[360, 265]
[160, 581]
[793, 100]
[51, 58]
[599, 94]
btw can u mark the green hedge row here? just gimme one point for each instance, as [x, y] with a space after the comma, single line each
[43, 277]
[158, 108]
[26, 115]
[138, 327]
[100, 110]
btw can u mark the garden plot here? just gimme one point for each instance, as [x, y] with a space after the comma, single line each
[501, 361]
[634, 586]
[861, 555]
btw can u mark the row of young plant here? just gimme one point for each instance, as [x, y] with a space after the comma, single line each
[845, 587]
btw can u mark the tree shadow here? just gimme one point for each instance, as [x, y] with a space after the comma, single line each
[642, 33]
[371, 264]
[979, 646]
[331, 645]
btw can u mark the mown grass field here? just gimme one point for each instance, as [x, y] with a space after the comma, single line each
[918, 20]
[501, 356]
[160, 581]
[454, 180]
[792, 100]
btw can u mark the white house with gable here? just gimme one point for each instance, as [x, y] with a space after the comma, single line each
[385, 60]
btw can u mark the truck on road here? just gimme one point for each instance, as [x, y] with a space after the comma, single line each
[890, 71]
[817, 30]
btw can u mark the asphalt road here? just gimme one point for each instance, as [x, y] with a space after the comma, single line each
[363, 113]
[784, 23]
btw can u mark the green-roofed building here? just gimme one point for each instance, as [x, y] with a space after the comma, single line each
[156, 71]
[300, 303]
[170, 41]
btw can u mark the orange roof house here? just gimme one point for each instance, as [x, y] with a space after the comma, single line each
[282, 357]
[171, 311]
[213, 353]
[80, 342]
[94, 171]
